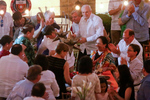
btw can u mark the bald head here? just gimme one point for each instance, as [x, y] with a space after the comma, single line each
[128, 36]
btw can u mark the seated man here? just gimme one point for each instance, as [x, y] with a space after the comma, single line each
[37, 93]
[121, 49]
[12, 70]
[143, 93]
[135, 65]
[23, 88]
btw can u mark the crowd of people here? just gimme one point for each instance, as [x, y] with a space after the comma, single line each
[41, 70]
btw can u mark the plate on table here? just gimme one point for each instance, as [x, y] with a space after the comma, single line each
[103, 76]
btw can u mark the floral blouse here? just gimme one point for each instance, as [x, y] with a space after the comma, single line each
[29, 51]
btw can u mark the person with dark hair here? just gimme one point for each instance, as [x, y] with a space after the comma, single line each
[134, 65]
[6, 41]
[28, 31]
[48, 77]
[144, 90]
[126, 90]
[47, 42]
[12, 70]
[49, 21]
[38, 91]
[19, 22]
[121, 49]
[104, 87]
[103, 60]
[23, 88]
[86, 76]
[60, 67]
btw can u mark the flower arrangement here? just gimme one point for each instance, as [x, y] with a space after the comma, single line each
[82, 91]
[73, 73]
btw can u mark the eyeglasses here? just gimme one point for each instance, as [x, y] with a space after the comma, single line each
[1, 23]
[130, 51]
[125, 37]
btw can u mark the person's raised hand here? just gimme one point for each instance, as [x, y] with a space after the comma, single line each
[123, 61]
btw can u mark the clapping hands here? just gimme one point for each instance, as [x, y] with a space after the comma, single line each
[130, 9]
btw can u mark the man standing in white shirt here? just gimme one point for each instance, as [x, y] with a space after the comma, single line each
[90, 28]
[76, 16]
[6, 21]
[12, 70]
[121, 49]
[114, 9]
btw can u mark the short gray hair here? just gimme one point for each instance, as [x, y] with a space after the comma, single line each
[47, 14]
[84, 6]
[75, 11]
[3, 3]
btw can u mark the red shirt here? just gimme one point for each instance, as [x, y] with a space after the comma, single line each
[4, 53]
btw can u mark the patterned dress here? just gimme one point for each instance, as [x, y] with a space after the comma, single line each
[29, 51]
[78, 82]
[105, 59]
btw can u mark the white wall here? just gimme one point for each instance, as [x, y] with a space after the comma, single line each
[101, 6]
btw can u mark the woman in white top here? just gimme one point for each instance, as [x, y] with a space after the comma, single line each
[48, 77]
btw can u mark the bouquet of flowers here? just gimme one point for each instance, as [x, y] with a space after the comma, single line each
[73, 73]
[82, 91]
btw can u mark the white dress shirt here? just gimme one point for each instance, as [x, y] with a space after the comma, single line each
[21, 90]
[114, 4]
[91, 30]
[12, 70]
[75, 27]
[7, 23]
[48, 43]
[135, 67]
[52, 88]
[124, 48]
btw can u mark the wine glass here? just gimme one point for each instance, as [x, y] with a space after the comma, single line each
[100, 69]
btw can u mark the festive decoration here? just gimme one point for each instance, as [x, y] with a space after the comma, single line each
[73, 73]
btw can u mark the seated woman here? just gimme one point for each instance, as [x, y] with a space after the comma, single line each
[6, 42]
[126, 90]
[60, 67]
[48, 77]
[28, 31]
[86, 77]
[103, 60]
[103, 57]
